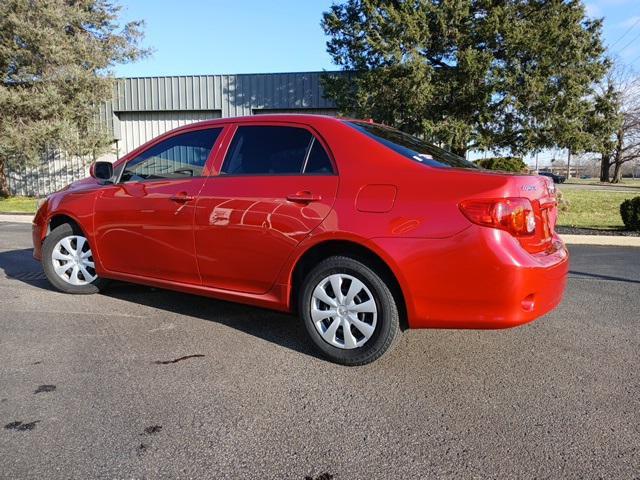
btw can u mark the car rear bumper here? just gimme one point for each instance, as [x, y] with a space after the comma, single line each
[481, 278]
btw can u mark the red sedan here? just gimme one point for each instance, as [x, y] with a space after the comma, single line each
[359, 228]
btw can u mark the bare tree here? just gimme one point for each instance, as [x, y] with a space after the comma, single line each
[627, 146]
[625, 142]
[586, 164]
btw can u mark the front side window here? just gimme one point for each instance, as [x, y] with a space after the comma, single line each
[412, 147]
[274, 150]
[180, 156]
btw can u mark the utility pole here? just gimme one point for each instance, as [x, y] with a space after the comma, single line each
[537, 162]
[569, 164]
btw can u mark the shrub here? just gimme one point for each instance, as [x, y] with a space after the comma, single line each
[505, 164]
[630, 213]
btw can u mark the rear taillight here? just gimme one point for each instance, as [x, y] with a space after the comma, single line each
[515, 215]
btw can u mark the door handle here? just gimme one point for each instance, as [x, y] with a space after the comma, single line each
[303, 197]
[181, 197]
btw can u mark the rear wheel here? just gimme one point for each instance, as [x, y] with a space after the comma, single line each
[348, 311]
[68, 261]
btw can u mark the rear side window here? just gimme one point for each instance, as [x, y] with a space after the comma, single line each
[180, 156]
[273, 150]
[318, 161]
[412, 147]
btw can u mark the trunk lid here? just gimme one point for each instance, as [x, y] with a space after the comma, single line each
[541, 193]
[539, 190]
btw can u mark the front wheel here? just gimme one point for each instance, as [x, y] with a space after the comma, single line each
[68, 262]
[348, 311]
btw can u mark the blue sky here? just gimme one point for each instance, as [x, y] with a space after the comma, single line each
[193, 37]
[253, 36]
[621, 28]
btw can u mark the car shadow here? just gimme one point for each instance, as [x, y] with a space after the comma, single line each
[597, 276]
[20, 265]
[282, 329]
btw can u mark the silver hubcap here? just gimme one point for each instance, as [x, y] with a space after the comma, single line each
[344, 311]
[73, 261]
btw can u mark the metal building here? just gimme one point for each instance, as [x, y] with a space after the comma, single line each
[145, 107]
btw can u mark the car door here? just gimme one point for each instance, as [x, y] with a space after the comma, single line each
[144, 222]
[276, 184]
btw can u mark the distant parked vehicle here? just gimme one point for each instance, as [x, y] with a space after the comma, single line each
[556, 178]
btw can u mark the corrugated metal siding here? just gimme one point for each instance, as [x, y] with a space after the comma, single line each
[228, 95]
[332, 112]
[140, 127]
[168, 93]
[234, 95]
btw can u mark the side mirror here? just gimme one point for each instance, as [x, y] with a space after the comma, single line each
[102, 171]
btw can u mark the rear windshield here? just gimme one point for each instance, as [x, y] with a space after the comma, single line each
[412, 147]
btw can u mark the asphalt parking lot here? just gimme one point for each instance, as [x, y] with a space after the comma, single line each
[146, 383]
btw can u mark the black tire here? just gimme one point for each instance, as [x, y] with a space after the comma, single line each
[387, 327]
[57, 234]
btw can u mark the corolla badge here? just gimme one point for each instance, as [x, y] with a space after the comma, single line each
[528, 188]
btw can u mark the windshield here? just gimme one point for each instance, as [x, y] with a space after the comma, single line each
[412, 147]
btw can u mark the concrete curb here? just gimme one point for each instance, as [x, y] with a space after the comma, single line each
[613, 240]
[16, 218]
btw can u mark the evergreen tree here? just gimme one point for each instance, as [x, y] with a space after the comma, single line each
[55, 57]
[490, 74]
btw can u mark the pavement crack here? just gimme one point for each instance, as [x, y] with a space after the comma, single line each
[153, 429]
[45, 389]
[186, 357]
[322, 476]
[21, 426]
[142, 448]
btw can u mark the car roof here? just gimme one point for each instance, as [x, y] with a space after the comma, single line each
[302, 118]
[274, 117]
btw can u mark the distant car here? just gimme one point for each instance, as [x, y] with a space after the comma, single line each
[556, 178]
[357, 227]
